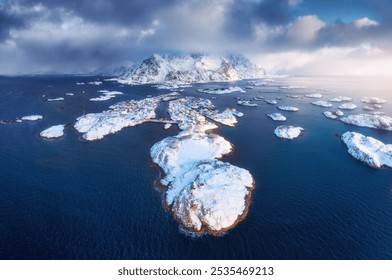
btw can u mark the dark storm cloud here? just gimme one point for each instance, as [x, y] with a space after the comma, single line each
[340, 34]
[244, 14]
[8, 22]
[108, 11]
[80, 36]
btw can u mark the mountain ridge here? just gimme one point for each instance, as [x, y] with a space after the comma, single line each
[191, 69]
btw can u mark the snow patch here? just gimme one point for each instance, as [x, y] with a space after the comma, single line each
[322, 103]
[53, 132]
[369, 120]
[288, 108]
[368, 150]
[277, 117]
[288, 132]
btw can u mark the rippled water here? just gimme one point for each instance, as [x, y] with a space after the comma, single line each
[69, 199]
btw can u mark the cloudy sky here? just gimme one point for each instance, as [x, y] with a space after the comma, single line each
[310, 37]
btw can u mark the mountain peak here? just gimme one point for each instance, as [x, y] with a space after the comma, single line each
[194, 68]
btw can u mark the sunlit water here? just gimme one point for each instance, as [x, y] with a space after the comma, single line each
[70, 199]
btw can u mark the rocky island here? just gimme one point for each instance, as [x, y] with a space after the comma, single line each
[368, 150]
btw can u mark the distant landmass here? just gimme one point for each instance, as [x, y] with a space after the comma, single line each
[190, 69]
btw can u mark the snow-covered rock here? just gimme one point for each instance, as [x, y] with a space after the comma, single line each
[288, 108]
[203, 193]
[55, 99]
[277, 117]
[53, 132]
[339, 113]
[167, 125]
[106, 95]
[314, 95]
[288, 132]
[330, 115]
[269, 101]
[32, 118]
[246, 103]
[369, 120]
[293, 96]
[69, 94]
[368, 150]
[222, 90]
[373, 100]
[322, 103]
[227, 117]
[191, 69]
[95, 83]
[95, 126]
[347, 106]
[173, 86]
[341, 99]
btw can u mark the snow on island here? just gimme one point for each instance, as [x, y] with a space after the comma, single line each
[277, 117]
[314, 95]
[246, 103]
[288, 132]
[106, 95]
[368, 150]
[341, 99]
[203, 193]
[288, 108]
[53, 132]
[367, 108]
[347, 106]
[271, 102]
[369, 120]
[373, 100]
[95, 83]
[330, 115]
[221, 90]
[95, 126]
[32, 118]
[55, 99]
[322, 103]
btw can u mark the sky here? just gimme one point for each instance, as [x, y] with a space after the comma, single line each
[298, 37]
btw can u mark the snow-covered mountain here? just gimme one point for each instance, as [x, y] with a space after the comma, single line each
[191, 69]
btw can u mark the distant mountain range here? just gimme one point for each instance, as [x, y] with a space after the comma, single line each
[189, 69]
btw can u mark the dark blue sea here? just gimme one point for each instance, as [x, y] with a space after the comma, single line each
[71, 199]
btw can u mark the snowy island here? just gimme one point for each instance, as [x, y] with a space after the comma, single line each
[277, 117]
[288, 132]
[368, 150]
[53, 132]
[369, 120]
[204, 194]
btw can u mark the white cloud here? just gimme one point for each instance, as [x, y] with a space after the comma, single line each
[294, 3]
[148, 32]
[305, 28]
[361, 60]
[365, 22]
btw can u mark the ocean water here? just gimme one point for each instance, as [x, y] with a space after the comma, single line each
[71, 199]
